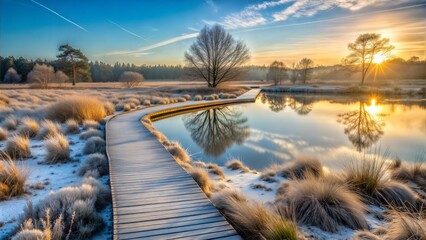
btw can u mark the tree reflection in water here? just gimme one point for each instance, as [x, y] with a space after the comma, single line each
[364, 126]
[302, 105]
[214, 130]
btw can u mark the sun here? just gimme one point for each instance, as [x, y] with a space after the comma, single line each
[378, 58]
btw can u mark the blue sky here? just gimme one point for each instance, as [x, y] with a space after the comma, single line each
[159, 32]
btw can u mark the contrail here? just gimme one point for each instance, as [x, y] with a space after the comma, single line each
[153, 46]
[127, 31]
[59, 15]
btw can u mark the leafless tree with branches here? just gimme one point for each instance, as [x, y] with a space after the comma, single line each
[363, 51]
[277, 72]
[216, 57]
[131, 79]
[304, 68]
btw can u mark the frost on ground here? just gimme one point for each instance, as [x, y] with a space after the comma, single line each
[43, 178]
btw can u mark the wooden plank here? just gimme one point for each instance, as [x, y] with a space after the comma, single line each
[153, 197]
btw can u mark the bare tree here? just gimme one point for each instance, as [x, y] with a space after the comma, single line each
[42, 75]
[131, 79]
[294, 74]
[277, 72]
[305, 67]
[12, 76]
[216, 57]
[363, 50]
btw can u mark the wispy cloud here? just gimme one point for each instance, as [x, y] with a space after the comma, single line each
[213, 5]
[126, 30]
[194, 29]
[59, 15]
[142, 50]
[257, 14]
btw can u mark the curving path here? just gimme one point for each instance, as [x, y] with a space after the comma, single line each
[153, 197]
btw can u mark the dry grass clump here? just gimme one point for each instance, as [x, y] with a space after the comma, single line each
[28, 127]
[324, 203]
[58, 150]
[236, 164]
[186, 96]
[76, 107]
[4, 99]
[87, 124]
[78, 206]
[12, 179]
[251, 219]
[10, 123]
[178, 152]
[406, 226]
[48, 129]
[160, 136]
[415, 173]
[94, 145]
[300, 167]
[127, 107]
[95, 162]
[367, 175]
[197, 98]
[109, 108]
[18, 147]
[50, 231]
[4, 134]
[71, 127]
[202, 178]
[91, 133]
[215, 169]
[147, 102]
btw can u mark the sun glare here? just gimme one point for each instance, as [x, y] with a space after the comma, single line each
[378, 58]
[373, 108]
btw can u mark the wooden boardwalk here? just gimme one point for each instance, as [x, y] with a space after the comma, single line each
[153, 197]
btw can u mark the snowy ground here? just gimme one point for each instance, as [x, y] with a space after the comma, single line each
[44, 178]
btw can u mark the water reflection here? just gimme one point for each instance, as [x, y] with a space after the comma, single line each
[302, 105]
[216, 129]
[363, 126]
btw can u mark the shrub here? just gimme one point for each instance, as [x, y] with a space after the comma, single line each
[178, 152]
[203, 180]
[91, 133]
[11, 76]
[5, 99]
[71, 127]
[12, 179]
[251, 219]
[197, 98]
[324, 203]
[4, 134]
[96, 161]
[127, 107]
[76, 107]
[58, 150]
[109, 108]
[48, 129]
[300, 167]
[10, 123]
[406, 226]
[87, 124]
[131, 79]
[186, 96]
[236, 164]
[208, 97]
[181, 99]
[94, 145]
[77, 205]
[147, 102]
[368, 176]
[28, 127]
[29, 234]
[215, 169]
[18, 147]
[415, 173]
